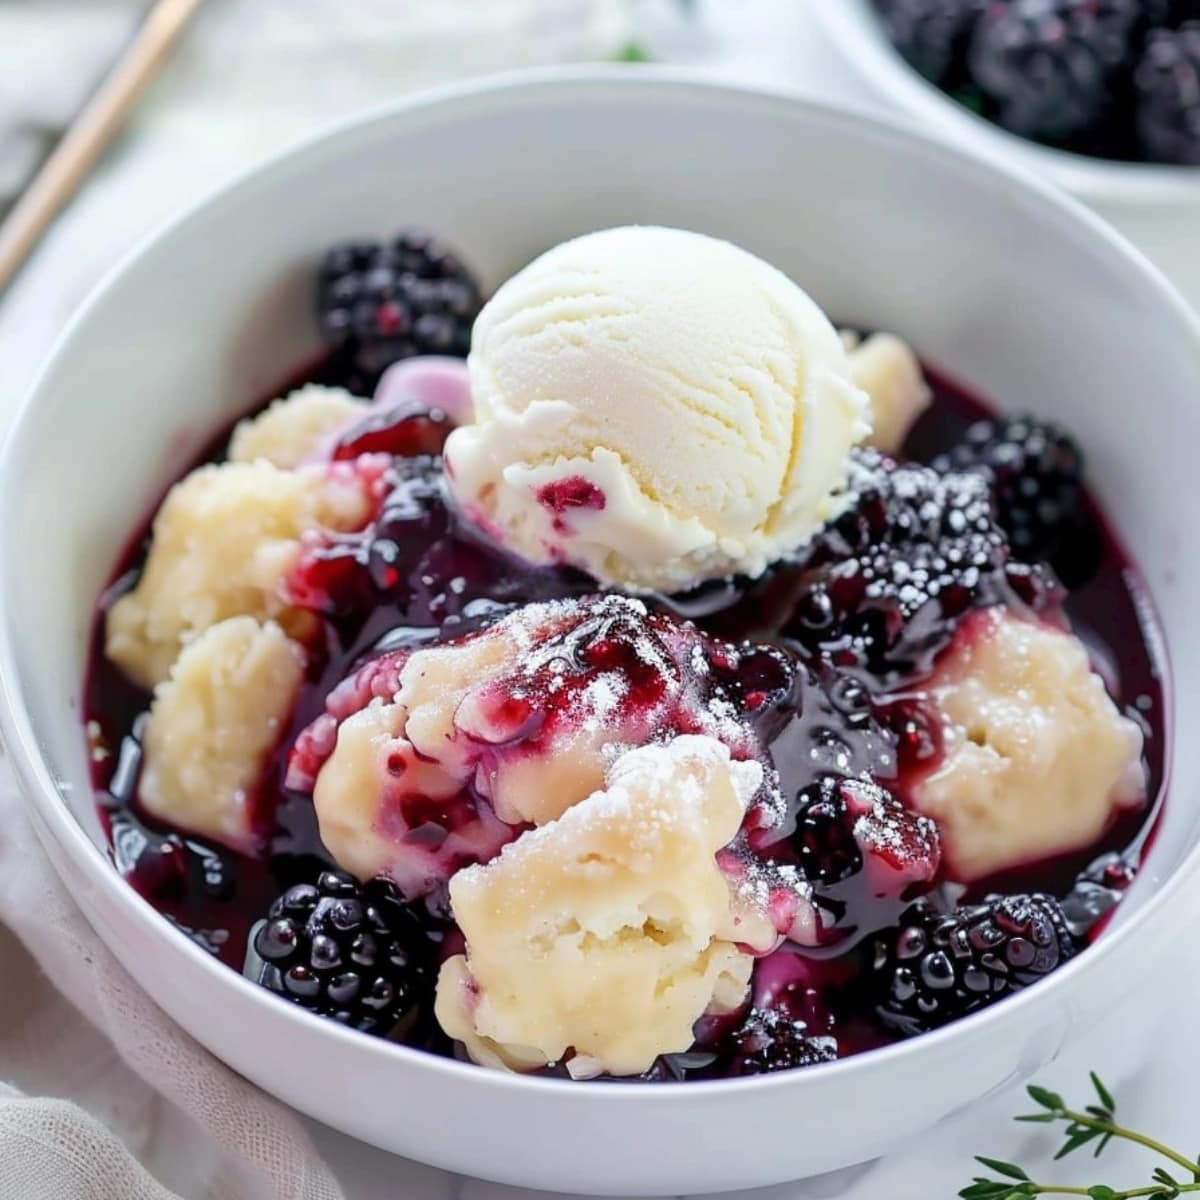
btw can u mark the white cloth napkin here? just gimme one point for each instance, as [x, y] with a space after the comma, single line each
[133, 1068]
[102, 1097]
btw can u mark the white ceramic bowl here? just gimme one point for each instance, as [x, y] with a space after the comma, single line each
[1157, 206]
[1011, 287]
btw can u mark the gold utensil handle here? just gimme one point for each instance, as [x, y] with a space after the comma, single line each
[91, 132]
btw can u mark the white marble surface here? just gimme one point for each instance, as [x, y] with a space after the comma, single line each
[1147, 1054]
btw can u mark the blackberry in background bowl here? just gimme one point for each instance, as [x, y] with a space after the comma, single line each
[933, 35]
[1115, 79]
[1125, 150]
[1167, 95]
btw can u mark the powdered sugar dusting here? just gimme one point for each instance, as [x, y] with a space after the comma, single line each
[531, 713]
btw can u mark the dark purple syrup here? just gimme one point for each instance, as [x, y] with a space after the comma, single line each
[394, 590]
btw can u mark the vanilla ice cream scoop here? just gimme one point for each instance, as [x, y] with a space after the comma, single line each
[655, 407]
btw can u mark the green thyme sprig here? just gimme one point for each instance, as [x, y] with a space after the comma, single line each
[1096, 1126]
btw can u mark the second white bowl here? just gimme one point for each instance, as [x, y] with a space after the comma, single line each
[1158, 207]
[855, 26]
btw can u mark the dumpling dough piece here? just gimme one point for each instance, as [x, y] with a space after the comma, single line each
[296, 427]
[611, 930]
[223, 540]
[212, 725]
[444, 725]
[886, 369]
[1038, 759]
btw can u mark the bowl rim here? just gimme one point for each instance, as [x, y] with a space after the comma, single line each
[46, 803]
[856, 30]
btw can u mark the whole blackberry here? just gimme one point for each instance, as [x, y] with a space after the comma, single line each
[914, 551]
[1048, 65]
[1167, 86]
[937, 967]
[824, 837]
[860, 851]
[769, 1040]
[357, 954]
[379, 302]
[1097, 891]
[932, 35]
[836, 822]
[1035, 472]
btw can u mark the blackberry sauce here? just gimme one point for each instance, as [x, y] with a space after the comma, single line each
[418, 547]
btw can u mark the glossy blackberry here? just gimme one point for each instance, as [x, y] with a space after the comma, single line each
[914, 551]
[769, 1040]
[1047, 65]
[819, 730]
[1035, 472]
[937, 967]
[813, 719]
[168, 866]
[357, 954]
[379, 302]
[846, 826]
[1096, 893]
[824, 836]
[932, 35]
[1167, 86]
[861, 853]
